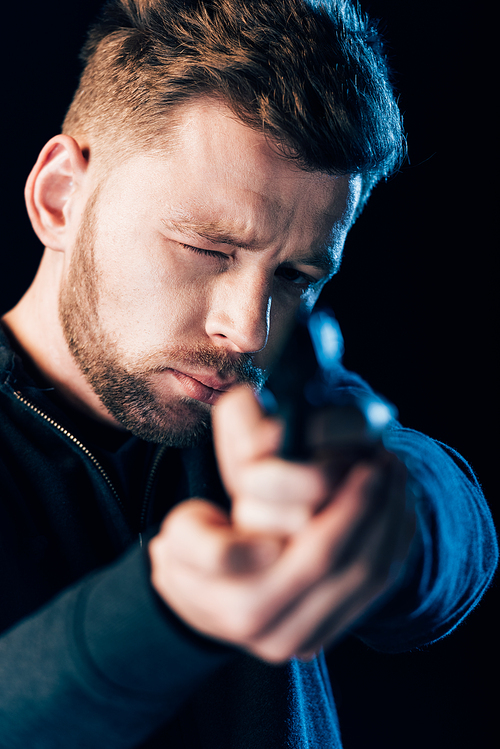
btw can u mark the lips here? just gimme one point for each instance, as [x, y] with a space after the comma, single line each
[203, 387]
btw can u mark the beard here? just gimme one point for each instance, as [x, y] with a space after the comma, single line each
[125, 386]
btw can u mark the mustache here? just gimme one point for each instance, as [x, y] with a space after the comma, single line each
[241, 367]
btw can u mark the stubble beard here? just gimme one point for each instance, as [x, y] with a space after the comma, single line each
[126, 389]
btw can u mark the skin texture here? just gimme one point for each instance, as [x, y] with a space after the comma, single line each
[168, 284]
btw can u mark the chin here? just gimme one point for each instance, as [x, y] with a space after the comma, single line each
[183, 425]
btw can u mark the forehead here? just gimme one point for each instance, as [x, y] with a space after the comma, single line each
[212, 170]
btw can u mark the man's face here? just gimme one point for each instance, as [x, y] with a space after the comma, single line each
[189, 267]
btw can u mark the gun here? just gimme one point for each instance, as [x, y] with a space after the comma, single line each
[319, 416]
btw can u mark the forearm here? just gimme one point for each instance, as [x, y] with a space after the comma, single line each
[456, 552]
[101, 665]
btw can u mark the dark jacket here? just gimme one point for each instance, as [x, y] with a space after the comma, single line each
[89, 655]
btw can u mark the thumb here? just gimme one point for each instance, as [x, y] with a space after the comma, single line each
[198, 534]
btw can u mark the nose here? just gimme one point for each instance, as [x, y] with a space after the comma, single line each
[239, 317]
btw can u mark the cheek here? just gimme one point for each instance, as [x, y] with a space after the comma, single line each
[146, 298]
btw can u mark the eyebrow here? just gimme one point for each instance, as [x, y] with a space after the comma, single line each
[325, 259]
[212, 232]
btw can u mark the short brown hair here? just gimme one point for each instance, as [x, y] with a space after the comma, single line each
[310, 74]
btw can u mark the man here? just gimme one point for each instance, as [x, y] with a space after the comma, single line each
[210, 166]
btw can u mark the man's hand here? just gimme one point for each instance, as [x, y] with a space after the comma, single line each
[300, 559]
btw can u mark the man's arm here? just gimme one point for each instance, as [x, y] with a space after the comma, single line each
[456, 552]
[343, 553]
[103, 664]
[107, 652]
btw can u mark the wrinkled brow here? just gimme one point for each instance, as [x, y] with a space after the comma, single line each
[215, 232]
[325, 258]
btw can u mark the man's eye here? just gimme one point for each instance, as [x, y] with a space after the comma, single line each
[206, 253]
[295, 277]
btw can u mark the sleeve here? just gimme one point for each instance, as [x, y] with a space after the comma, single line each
[67, 660]
[455, 551]
[454, 556]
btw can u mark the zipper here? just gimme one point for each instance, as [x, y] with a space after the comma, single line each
[98, 466]
[149, 488]
[75, 441]
[151, 477]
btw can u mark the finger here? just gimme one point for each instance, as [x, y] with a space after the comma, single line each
[199, 535]
[338, 528]
[208, 574]
[371, 575]
[308, 557]
[324, 611]
[316, 555]
[335, 622]
[372, 496]
[319, 617]
[376, 511]
[321, 613]
[276, 496]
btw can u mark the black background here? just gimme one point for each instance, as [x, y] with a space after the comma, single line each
[416, 299]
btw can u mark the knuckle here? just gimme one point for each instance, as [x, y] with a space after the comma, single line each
[276, 653]
[321, 563]
[242, 623]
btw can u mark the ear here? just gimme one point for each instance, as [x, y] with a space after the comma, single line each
[53, 189]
